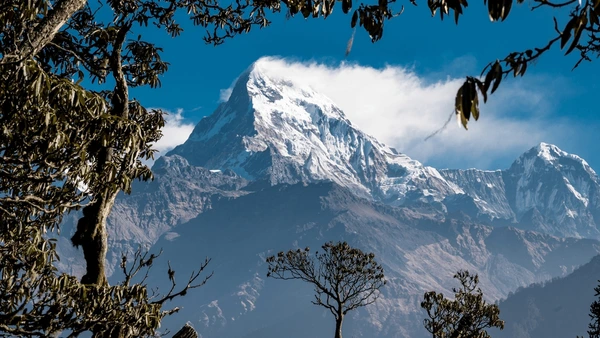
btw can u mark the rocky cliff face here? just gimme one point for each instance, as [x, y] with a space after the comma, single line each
[178, 193]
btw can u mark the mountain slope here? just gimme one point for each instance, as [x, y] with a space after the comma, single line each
[486, 191]
[178, 193]
[420, 251]
[558, 308]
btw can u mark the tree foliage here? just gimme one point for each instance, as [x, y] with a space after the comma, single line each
[594, 326]
[465, 316]
[578, 31]
[344, 278]
[43, 303]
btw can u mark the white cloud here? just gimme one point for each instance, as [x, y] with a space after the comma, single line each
[401, 109]
[224, 94]
[175, 132]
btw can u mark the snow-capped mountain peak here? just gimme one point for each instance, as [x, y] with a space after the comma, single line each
[275, 129]
[557, 190]
[553, 156]
[549, 152]
[272, 91]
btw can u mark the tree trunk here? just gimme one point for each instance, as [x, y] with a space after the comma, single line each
[338, 325]
[92, 236]
[186, 332]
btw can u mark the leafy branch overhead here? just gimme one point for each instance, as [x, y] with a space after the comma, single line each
[582, 18]
[103, 149]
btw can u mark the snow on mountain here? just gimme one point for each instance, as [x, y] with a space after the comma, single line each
[545, 189]
[274, 129]
[486, 190]
[561, 189]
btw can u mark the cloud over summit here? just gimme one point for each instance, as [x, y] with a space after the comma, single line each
[401, 108]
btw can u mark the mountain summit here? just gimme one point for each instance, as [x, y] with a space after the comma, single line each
[277, 131]
[555, 191]
[273, 129]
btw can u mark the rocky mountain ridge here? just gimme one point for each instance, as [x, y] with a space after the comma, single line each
[276, 130]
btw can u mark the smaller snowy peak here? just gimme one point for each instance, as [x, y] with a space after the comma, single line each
[556, 190]
[553, 156]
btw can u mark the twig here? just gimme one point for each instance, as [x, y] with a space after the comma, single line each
[440, 129]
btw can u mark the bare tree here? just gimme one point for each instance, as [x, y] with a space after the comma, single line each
[344, 278]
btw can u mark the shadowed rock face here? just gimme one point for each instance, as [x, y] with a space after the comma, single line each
[178, 193]
[279, 166]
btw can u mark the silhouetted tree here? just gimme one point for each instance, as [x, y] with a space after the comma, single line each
[344, 278]
[465, 316]
[594, 326]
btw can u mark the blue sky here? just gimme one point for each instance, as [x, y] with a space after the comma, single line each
[551, 104]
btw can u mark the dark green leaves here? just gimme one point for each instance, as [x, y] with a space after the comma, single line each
[346, 6]
[354, 19]
[467, 100]
[594, 325]
[467, 315]
[445, 6]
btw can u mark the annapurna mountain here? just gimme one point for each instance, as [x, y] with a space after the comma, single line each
[274, 130]
[279, 166]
